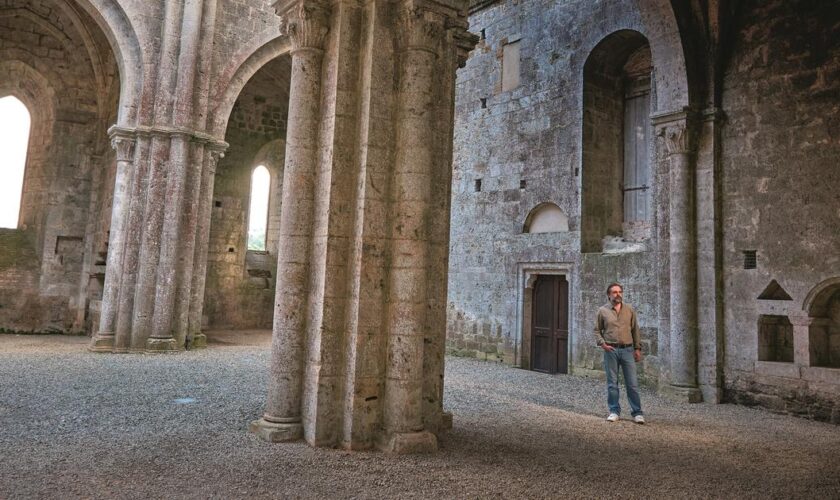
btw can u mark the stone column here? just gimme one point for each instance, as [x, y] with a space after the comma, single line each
[683, 262]
[307, 24]
[170, 231]
[131, 253]
[419, 34]
[195, 338]
[123, 143]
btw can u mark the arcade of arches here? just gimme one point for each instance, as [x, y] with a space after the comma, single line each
[686, 149]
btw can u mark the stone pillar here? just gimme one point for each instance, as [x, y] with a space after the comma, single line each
[419, 34]
[307, 24]
[683, 262]
[131, 252]
[123, 143]
[196, 339]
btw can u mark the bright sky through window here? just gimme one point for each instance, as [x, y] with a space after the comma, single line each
[258, 212]
[14, 138]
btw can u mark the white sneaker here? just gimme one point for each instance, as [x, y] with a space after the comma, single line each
[613, 417]
[639, 419]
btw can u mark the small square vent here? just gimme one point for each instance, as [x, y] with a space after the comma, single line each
[750, 259]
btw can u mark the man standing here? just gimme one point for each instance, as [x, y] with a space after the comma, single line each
[617, 333]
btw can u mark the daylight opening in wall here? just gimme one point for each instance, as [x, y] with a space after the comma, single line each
[258, 211]
[14, 139]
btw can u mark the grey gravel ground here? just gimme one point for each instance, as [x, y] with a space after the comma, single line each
[74, 424]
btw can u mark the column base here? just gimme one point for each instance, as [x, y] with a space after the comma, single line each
[199, 341]
[102, 343]
[155, 346]
[403, 443]
[276, 432]
[682, 394]
[446, 419]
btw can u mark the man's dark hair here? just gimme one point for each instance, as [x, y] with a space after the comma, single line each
[614, 284]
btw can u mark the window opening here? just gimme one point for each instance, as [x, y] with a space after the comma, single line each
[775, 339]
[510, 66]
[258, 211]
[14, 140]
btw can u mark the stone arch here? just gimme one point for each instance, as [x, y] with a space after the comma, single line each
[658, 24]
[817, 299]
[617, 141]
[125, 45]
[546, 218]
[35, 91]
[823, 307]
[234, 78]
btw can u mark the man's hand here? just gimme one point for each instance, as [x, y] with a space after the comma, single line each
[607, 347]
[637, 355]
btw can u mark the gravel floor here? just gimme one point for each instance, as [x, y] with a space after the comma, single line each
[74, 424]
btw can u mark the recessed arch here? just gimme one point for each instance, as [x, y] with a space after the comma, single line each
[817, 299]
[237, 75]
[546, 218]
[125, 45]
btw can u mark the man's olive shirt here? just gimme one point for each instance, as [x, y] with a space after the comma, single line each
[617, 328]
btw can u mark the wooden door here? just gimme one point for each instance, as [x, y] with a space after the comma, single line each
[550, 325]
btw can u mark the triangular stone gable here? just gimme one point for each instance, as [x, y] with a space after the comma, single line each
[774, 291]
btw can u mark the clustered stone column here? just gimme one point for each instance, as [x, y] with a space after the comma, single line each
[156, 240]
[683, 260]
[356, 311]
[407, 312]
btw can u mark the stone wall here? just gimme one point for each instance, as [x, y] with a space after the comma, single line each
[524, 145]
[781, 142]
[58, 62]
[240, 283]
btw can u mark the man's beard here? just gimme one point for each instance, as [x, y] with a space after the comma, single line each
[615, 300]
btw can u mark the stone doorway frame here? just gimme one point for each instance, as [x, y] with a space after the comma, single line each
[526, 275]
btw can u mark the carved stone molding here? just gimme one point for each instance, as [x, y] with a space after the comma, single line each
[677, 138]
[419, 29]
[306, 22]
[465, 41]
[214, 154]
[124, 146]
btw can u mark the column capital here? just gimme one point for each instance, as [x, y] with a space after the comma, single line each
[677, 137]
[306, 22]
[465, 41]
[124, 146]
[419, 28]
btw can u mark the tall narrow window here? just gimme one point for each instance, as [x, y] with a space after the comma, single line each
[510, 66]
[14, 139]
[258, 211]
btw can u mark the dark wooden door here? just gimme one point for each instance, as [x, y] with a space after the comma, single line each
[550, 325]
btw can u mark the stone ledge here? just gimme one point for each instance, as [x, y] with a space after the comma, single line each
[403, 443]
[276, 432]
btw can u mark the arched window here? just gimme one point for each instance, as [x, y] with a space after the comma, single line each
[617, 182]
[258, 211]
[546, 218]
[14, 139]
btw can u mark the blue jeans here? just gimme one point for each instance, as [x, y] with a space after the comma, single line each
[612, 360]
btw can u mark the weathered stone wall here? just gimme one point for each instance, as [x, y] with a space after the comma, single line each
[525, 147]
[58, 62]
[240, 291]
[781, 142]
